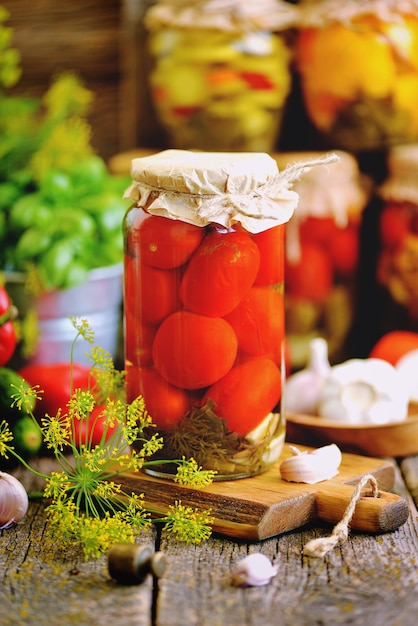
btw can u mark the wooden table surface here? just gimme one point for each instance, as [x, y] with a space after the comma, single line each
[367, 580]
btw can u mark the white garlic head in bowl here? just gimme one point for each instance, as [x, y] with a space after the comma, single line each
[364, 391]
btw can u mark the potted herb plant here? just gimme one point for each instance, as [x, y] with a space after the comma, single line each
[61, 213]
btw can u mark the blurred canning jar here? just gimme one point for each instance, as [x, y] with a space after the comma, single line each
[397, 263]
[220, 72]
[322, 253]
[357, 64]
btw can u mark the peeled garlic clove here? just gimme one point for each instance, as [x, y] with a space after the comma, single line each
[254, 570]
[312, 467]
[303, 387]
[13, 500]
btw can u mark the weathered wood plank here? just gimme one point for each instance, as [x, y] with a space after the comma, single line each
[44, 582]
[368, 579]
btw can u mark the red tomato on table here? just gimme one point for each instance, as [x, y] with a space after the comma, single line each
[166, 243]
[246, 394]
[193, 351]
[220, 273]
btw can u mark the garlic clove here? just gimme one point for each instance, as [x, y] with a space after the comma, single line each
[254, 570]
[311, 467]
[13, 500]
[303, 388]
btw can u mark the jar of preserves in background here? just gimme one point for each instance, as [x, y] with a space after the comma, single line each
[220, 73]
[397, 259]
[357, 64]
[204, 311]
[322, 252]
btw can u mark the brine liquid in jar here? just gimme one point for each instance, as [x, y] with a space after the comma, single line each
[204, 310]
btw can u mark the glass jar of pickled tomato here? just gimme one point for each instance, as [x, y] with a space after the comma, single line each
[322, 252]
[204, 311]
[220, 71]
[358, 68]
[397, 262]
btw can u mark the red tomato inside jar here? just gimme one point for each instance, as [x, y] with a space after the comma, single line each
[204, 311]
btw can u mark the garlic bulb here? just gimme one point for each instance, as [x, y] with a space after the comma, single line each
[407, 366]
[311, 467]
[13, 500]
[253, 571]
[364, 391]
[302, 388]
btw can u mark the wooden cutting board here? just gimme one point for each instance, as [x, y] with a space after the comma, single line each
[264, 506]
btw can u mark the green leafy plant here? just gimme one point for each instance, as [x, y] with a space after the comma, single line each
[87, 505]
[61, 210]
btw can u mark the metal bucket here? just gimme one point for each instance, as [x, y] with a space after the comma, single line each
[98, 300]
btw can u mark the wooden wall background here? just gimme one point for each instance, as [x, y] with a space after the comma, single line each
[103, 40]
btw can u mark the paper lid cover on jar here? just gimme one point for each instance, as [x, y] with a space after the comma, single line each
[227, 15]
[401, 184]
[324, 12]
[339, 190]
[218, 187]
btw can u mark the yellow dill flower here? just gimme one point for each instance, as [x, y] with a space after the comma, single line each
[5, 437]
[130, 461]
[190, 474]
[88, 506]
[107, 490]
[83, 328]
[94, 459]
[81, 404]
[135, 514]
[114, 413]
[187, 524]
[152, 445]
[25, 396]
[56, 431]
[100, 358]
[57, 485]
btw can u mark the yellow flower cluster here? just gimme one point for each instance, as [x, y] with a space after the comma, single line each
[87, 503]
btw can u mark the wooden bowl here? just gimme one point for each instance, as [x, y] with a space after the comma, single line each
[396, 439]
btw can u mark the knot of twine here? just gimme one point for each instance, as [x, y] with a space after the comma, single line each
[321, 546]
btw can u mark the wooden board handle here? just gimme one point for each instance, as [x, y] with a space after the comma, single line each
[376, 515]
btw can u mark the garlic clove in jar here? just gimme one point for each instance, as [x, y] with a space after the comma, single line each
[13, 500]
[364, 391]
[303, 387]
[311, 467]
[254, 570]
